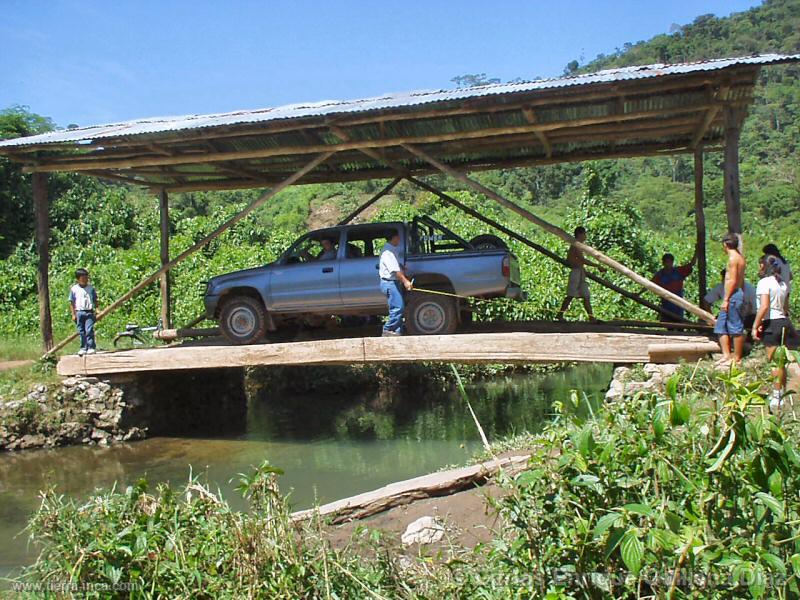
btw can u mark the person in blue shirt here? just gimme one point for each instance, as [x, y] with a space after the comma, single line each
[671, 278]
[82, 305]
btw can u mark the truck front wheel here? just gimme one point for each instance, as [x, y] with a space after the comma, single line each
[243, 320]
[428, 314]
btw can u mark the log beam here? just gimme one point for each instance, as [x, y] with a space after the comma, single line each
[700, 225]
[615, 347]
[730, 168]
[709, 117]
[557, 231]
[530, 116]
[166, 284]
[202, 243]
[42, 230]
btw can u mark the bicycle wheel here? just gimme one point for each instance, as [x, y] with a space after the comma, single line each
[125, 341]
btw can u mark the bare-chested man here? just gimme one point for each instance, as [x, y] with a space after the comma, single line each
[577, 286]
[730, 324]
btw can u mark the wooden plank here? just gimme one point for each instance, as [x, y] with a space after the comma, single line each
[515, 347]
[700, 226]
[400, 493]
[557, 231]
[200, 244]
[163, 211]
[92, 163]
[675, 352]
[42, 231]
[181, 358]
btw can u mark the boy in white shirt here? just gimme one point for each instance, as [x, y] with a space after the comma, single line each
[82, 305]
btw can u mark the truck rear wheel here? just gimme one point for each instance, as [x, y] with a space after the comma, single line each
[428, 314]
[243, 320]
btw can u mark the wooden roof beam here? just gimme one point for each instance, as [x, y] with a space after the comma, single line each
[710, 115]
[93, 164]
[530, 116]
[639, 150]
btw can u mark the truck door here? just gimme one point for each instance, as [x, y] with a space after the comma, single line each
[305, 280]
[359, 282]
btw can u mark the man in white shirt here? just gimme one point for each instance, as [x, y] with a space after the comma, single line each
[717, 293]
[392, 277]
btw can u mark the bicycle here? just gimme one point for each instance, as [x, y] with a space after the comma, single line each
[132, 336]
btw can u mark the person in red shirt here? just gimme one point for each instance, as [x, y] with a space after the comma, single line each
[671, 278]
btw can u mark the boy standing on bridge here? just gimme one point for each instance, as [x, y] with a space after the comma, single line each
[82, 304]
[577, 286]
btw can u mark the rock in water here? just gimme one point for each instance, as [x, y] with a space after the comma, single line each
[425, 530]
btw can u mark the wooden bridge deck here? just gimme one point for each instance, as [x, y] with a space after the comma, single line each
[619, 347]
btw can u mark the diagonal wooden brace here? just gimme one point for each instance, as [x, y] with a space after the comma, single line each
[200, 244]
[557, 231]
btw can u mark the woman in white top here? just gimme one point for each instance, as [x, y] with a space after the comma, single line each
[786, 270]
[772, 325]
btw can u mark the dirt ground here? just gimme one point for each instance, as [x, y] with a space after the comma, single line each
[467, 517]
[7, 365]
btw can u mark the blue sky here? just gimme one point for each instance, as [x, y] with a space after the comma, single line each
[90, 62]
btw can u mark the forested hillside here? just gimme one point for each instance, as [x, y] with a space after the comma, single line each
[635, 209]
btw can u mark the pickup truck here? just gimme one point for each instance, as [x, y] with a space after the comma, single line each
[334, 272]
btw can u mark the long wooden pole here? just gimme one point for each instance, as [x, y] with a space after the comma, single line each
[557, 231]
[733, 208]
[700, 224]
[163, 211]
[42, 215]
[371, 201]
[197, 246]
[531, 244]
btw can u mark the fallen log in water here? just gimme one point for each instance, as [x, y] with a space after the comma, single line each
[442, 483]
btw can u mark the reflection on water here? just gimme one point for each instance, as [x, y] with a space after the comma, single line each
[329, 446]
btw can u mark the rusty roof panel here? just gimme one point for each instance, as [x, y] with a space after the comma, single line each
[145, 127]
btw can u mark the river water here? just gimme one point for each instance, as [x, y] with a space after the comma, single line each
[330, 446]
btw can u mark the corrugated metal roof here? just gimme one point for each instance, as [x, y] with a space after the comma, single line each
[386, 102]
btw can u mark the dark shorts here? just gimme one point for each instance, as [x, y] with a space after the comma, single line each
[778, 332]
[730, 322]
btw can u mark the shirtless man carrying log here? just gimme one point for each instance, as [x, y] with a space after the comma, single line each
[730, 324]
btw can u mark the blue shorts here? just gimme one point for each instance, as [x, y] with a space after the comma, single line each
[730, 322]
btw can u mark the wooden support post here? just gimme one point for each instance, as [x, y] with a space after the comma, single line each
[163, 211]
[41, 212]
[557, 231]
[731, 171]
[700, 224]
[370, 202]
[538, 247]
[200, 244]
